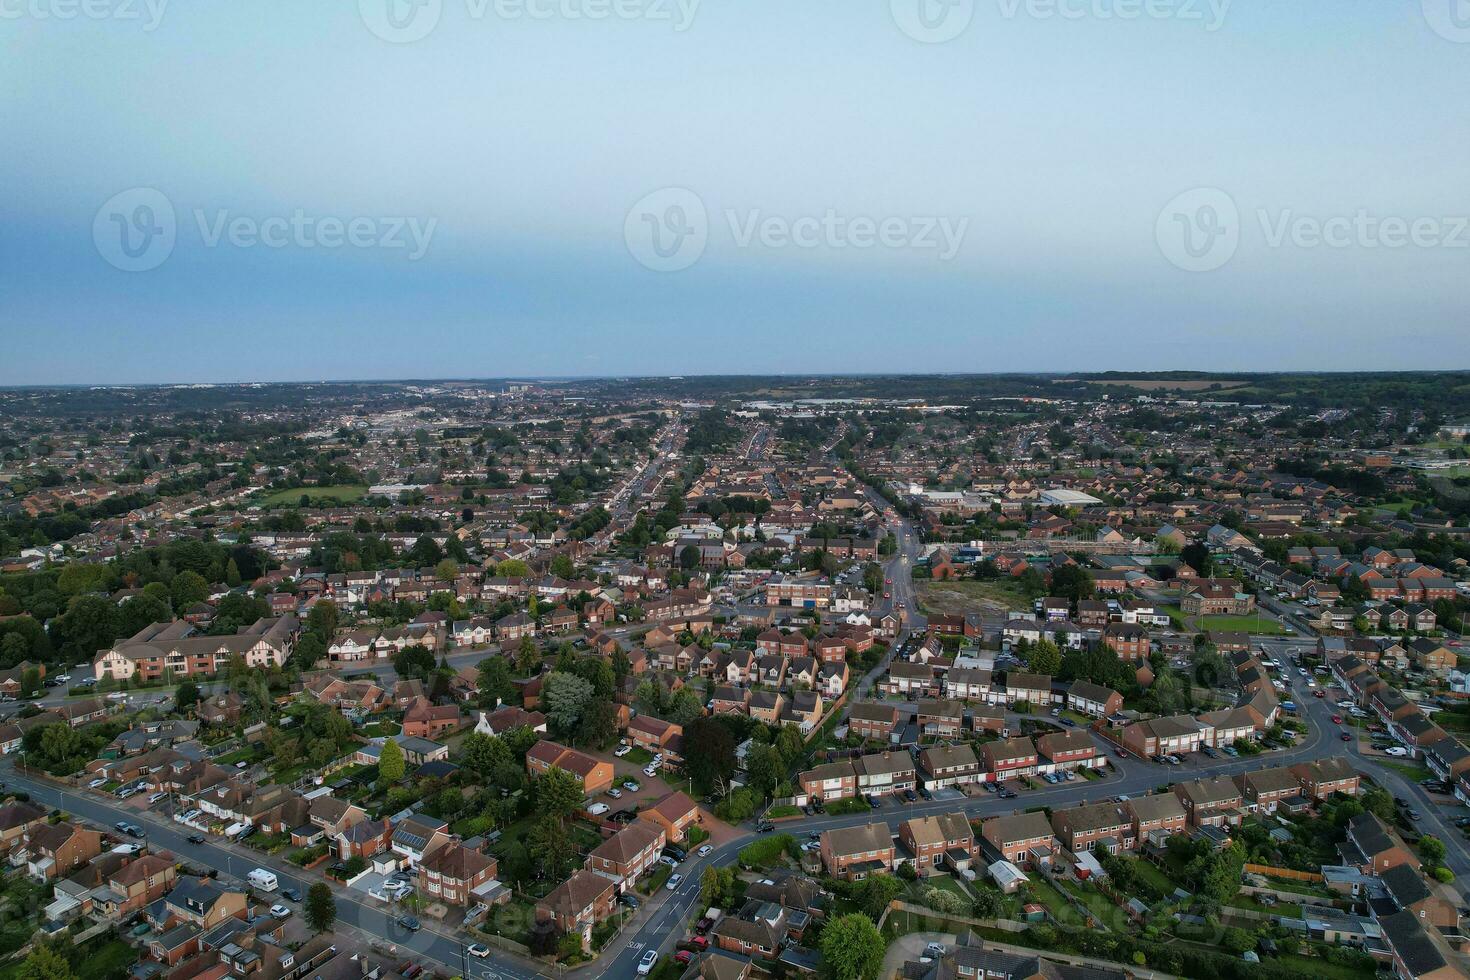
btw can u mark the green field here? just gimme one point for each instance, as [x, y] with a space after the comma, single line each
[1260, 625]
[318, 496]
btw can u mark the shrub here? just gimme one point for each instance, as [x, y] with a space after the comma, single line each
[767, 851]
[944, 901]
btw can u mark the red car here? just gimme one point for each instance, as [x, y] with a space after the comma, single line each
[888, 581]
[683, 957]
[1337, 719]
[1320, 694]
[885, 595]
[1346, 737]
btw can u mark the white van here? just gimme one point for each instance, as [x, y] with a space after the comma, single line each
[262, 879]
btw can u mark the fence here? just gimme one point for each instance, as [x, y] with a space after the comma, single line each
[1287, 873]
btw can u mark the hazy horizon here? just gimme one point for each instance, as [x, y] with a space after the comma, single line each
[224, 193]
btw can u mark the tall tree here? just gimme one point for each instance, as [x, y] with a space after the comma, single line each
[566, 696]
[709, 754]
[390, 763]
[559, 793]
[320, 908]
[45, 962]
[852, 949]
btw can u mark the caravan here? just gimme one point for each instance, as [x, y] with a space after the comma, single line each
[262, 879]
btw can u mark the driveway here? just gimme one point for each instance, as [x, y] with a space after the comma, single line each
[906, 949]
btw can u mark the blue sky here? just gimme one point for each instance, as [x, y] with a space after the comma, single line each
[1058, 138]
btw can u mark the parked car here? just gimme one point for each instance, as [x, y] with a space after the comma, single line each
[478, 950]
[195, 838]
[410, 923]
[629, 900]
[615, 793]
[705, 850]
[292, 893]
[622, 750]
[597, 809]
[280, 912]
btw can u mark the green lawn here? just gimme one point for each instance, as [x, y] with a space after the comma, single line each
[947, 883]
[318, 496]
[1315, 966]
[852, 804]
[1260, 625]
[788, 810]
[1176, 616]
[1056, 903]
[1102, 910]
[639, 757]
[1409, 771]
[1150, 873]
